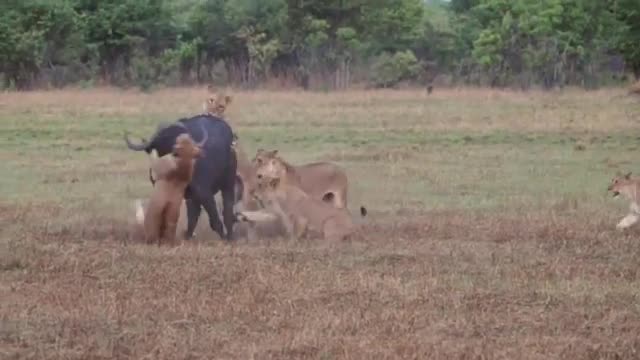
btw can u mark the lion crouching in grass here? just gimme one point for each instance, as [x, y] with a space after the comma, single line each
[173, 173]
[321, 180]
[628, 187]
[298, 210]
[635, 88]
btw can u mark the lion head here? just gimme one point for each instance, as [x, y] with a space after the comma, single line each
[620, 183]
[262, 156]
[216, 103]
[186, 148]
[265, 190]
[269, 164]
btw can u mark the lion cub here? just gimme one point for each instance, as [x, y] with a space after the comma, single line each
[629, 188]
[298, 210]
[173, 173]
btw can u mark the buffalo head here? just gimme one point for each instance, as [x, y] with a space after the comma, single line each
[146, 145]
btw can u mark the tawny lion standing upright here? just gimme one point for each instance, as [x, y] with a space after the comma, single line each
[630, 189]
[173, 173]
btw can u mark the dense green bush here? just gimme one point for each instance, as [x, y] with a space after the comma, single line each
[388, 70]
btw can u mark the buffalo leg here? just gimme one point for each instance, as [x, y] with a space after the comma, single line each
[171, 221]
[238, 189]
[209, 204]
[205, 197]
[193, 213]
[229, 194]
[228, 201]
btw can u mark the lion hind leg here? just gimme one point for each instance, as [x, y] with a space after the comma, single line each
[140, 210]
[628, 221]
[252, 232]
[334, 231]
[153, 224]
[300, 227]
[162, 228]
[171, 216]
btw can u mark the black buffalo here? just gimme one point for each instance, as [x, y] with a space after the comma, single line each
[214, 171]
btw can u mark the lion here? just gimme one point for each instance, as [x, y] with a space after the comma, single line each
[630, 188]
[298, 210]
[216, 103]
[635, 88]
[261, 222]
[173, 173]
[321, 180]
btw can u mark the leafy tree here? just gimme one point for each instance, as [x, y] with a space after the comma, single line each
[331, 42]
[628, 12]
[461, 6]
[544, 41]
[393, 25]
[115, 28]
[389, 70]
[37, 35]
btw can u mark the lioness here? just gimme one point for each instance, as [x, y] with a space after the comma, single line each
[262, 221]
[635, 88]
[629, 188]
[299, 210]
[321, 180]
[173, 172]
[216, 103]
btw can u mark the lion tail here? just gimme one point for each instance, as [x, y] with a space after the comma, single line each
[361, 220]
[139, 212]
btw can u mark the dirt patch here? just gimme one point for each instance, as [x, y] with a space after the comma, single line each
[564, 224]
[491, 226]
[437, 284]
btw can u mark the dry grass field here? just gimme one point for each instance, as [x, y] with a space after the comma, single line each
[490, 235]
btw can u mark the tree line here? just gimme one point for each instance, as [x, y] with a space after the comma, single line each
[327, 44]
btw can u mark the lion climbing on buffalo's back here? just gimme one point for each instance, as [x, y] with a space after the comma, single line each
[216, 102]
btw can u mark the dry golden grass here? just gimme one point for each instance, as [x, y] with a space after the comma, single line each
[490, 235]
[446, 109]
